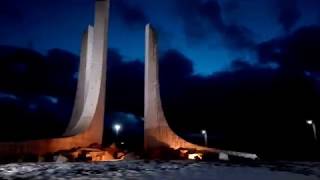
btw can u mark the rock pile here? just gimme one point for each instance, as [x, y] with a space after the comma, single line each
[87, 154]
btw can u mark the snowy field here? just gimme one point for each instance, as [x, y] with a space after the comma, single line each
[141, 169]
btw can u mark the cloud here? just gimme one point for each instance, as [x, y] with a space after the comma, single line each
[130, 14]
[44, 88]
[299, 50]
[124, 84]
[288, 14]
[201, 19]
[234, 105]
[8, 96]
[175, 65]
[239, 64]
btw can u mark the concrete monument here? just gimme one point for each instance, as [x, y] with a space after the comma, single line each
[86, 124]
[157, 132]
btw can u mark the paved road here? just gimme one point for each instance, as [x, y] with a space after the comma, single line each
[141, 169]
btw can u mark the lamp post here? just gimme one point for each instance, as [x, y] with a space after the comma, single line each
[314, 128]
[205, 136]
[117, 128]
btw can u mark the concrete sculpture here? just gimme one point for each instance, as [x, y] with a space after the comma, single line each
[90, 97]
[86, 125]
[157, 132]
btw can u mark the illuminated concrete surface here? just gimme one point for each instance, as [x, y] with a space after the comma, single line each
[86, 124]
[89, 104]
[157, 132]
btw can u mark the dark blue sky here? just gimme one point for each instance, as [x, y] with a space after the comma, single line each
[211, 33]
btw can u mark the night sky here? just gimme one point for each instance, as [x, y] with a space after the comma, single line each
[240, 68]
[210, 33]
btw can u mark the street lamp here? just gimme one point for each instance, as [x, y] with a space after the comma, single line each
[205, 136]
[117, 128]
[314, 128]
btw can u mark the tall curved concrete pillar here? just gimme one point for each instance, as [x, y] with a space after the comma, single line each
[157, 133]
[87, 121]
[89, 104]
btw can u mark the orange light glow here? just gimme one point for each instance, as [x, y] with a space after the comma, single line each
[195, 156]
[99, 156]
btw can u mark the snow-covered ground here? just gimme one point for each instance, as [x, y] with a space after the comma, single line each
[185, 170]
